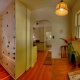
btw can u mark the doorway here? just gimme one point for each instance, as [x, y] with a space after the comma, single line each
[48, 41]
[43, 33]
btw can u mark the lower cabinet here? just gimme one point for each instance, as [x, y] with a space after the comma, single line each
[8, 64]
[11, 68]
[34, 55]
[15, 39]
[41, 46]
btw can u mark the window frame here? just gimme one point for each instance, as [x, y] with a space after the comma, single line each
[77, 24]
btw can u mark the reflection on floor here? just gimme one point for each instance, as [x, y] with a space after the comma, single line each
[57, 71]
[61, 68]
[48, 59]
[49, 48]
[39, 71]
[4, 75]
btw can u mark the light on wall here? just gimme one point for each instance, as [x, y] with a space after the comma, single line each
[61, 9]
[50, 36]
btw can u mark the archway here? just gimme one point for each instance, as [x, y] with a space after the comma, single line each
[42, 31]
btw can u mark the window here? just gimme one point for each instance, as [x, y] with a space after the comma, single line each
[77, 24]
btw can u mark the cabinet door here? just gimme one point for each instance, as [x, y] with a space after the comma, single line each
[11, 46]
[11, 68]
[34, 55]
[4, 61]
[8, 64]
[41, 46]
[21, 22]
[4, 50]
[28, 56]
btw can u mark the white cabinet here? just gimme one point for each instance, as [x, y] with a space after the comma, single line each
[11, 68]
[4, 61]
[15, 39]
[8, 64]
[7, 39]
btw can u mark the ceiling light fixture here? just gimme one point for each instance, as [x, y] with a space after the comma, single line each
[61, 9]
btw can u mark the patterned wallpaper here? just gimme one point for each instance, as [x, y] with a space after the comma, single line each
[7, 37]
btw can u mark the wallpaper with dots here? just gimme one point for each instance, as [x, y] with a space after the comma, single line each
[7, 38]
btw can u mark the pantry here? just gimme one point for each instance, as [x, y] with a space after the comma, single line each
[15, 39]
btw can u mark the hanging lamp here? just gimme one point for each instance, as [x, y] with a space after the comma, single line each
[61, 9]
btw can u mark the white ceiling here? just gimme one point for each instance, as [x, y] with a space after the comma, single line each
[35, 4]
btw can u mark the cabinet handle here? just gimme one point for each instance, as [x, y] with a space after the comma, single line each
[13, 57]
[13, 47]
[8, 46]
[14, 53]
[8, 53]
[6, 63]
[8, 41]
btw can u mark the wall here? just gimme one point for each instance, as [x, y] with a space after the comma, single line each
[61, 27]
[75, 9]
[7, 40]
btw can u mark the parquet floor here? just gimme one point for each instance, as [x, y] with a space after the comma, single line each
[4, 75]
[57, 71]
[39, 71]
[61, 68]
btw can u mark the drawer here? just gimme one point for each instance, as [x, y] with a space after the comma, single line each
[4, 61]
[8, 64]
[4, 50]
[11, 55]
[11, 68]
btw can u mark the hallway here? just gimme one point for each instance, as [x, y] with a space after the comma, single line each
[57, 71]
[39, 71]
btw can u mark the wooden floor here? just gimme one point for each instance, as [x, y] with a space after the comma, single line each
[61, 68]
[57, 71]
[4, 75]
[39, 71]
